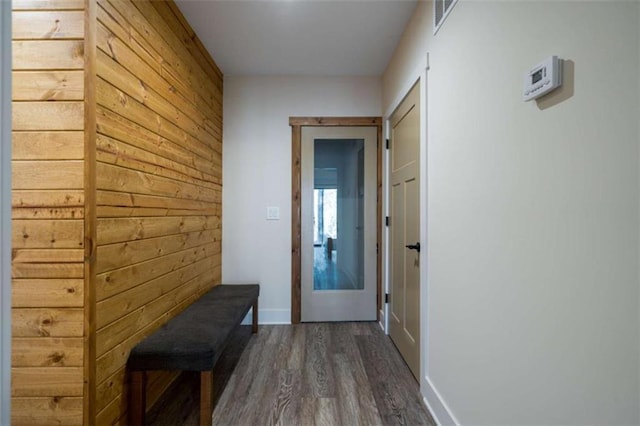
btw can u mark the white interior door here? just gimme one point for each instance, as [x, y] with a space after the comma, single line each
[404, 318]
[338, 220]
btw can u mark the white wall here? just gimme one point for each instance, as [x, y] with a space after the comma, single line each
[257, 172]
[533, 216]
[5, 212]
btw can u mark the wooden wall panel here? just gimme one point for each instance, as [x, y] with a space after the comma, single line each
[48, 85]
[47, 411]
[48, 212]
[117, 190]
[159, 184]
[30, 25]
[48, 55]
[48, 4]
[45, 352]
[62, 145]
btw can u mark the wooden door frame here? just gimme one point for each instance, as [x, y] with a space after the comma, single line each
[297, 123]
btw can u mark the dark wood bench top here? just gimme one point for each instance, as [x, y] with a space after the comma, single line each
[194, 339]
[191, 341]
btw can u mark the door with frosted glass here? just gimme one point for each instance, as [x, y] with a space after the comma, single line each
[338, 224]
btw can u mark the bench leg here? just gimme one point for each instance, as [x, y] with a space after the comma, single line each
[137, 398]
[254, 326]
[206, 398]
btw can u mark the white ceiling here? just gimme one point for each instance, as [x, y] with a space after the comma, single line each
[299, 37]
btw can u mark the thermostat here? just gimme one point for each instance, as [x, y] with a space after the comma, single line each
[543, 78]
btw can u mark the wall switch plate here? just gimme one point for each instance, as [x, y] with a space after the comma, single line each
[273, 213]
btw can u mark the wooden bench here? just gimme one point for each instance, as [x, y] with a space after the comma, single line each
[191, 341]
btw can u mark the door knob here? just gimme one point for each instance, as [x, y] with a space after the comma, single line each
[415, 247]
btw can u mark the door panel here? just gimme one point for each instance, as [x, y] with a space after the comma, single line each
[404, 319]
[338, 240]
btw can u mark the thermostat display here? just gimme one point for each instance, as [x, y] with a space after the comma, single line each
[543, 78]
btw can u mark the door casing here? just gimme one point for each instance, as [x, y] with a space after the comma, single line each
[296, 124]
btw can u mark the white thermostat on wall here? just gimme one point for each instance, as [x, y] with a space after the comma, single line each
[543, 78]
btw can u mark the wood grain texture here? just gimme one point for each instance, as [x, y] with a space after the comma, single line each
[49, 174]
[183, 30]
[47, 234]
[47, 322]
[41, 381]
[151, 47]
[124, 104]
[114, 230]
[48, 85]
[335, 121]
[110, 283]
[364, 382]
[46, 411]
[48, 55]
[61, 145]
[110, 389]
[296, 223]
[48, 195]
[117, 188]
[180, 38]
[116, 127]
[158, 168]
[389, 377]
[47, 4]
[59, 293]
[33, 25]
[144, 295]
[29, 199]
[90, 208]
[46, 352]
[47, 116]
[47, 270]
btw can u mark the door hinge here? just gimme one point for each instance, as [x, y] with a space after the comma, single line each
[386, 298]
[377, 249]
[387, 221]
[387, 144]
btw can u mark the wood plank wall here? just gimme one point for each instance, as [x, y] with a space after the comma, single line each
[159, 183]
[48, 212]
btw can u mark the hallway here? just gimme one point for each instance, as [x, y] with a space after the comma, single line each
[318, 373]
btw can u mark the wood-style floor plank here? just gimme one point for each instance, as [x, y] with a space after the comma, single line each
[307, 374]
[395, 390]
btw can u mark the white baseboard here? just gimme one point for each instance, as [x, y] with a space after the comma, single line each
[437, 406]
[382, 320]
[269, 316]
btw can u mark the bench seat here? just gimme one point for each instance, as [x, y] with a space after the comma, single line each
[191, 341]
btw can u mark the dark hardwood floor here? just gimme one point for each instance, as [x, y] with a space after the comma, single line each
[307, 374]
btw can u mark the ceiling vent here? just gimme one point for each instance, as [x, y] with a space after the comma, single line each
[441, 10]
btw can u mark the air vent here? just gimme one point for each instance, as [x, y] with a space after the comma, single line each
[441, 11]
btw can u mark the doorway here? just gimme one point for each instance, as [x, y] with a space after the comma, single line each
[404, 229]
[325, 239]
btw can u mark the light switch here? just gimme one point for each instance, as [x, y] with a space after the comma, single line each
[273, 213]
